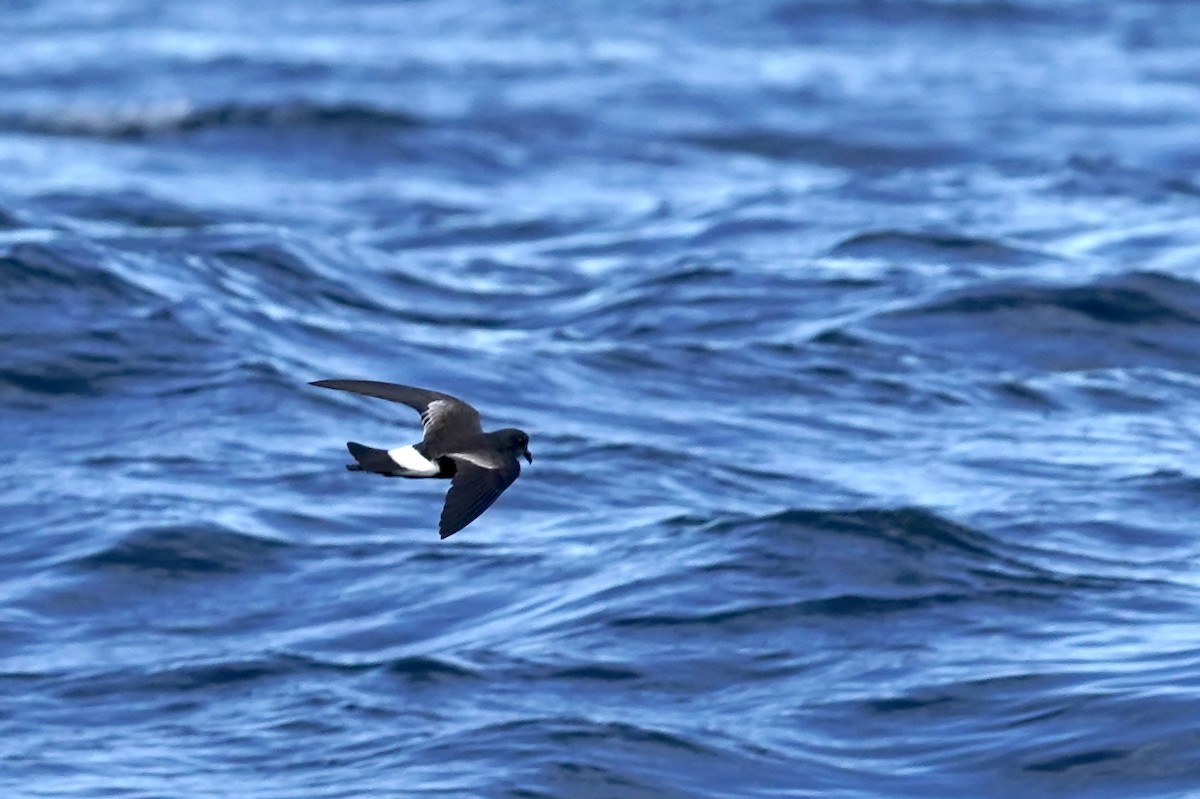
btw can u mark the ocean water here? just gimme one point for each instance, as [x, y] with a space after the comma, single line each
[858, 342]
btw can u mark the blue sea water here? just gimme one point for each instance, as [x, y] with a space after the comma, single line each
[858, 342]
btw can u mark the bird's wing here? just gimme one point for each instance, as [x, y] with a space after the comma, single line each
[444, 418]
[474, 488]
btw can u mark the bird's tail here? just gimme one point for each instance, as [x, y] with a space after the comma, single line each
[370, 459]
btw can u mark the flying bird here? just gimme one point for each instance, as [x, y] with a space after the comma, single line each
[479, 465]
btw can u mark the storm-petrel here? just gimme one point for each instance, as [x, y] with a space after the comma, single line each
[479, 465]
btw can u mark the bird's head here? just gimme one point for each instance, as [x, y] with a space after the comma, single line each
[514, 440]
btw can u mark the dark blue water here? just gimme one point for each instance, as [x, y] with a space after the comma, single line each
[859, 344]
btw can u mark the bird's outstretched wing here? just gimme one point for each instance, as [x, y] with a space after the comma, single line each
[446, 419]
[474, 489]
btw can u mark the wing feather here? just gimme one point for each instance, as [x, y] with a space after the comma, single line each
[472, 491]
[445, 419]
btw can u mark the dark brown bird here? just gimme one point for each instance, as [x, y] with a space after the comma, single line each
[479, 465]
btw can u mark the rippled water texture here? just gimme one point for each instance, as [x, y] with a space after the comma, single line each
[858, 342]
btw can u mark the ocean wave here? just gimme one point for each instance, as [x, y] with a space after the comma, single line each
[81, 317]
[140, 122]
[1135, 319]
[1135, 299]
[75, 318]
[889, 560]
[844, 605]
[413, 668]
[10, 220]
[944, 247]
[985, 12]
[598, 672]
[823, 149]
[581, 731]
[40, 274]
[185, 551]
[127, 208]
[912, 529]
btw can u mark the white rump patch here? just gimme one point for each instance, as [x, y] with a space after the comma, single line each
[412, 462]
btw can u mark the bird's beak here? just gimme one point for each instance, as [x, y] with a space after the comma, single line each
[528, 456]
